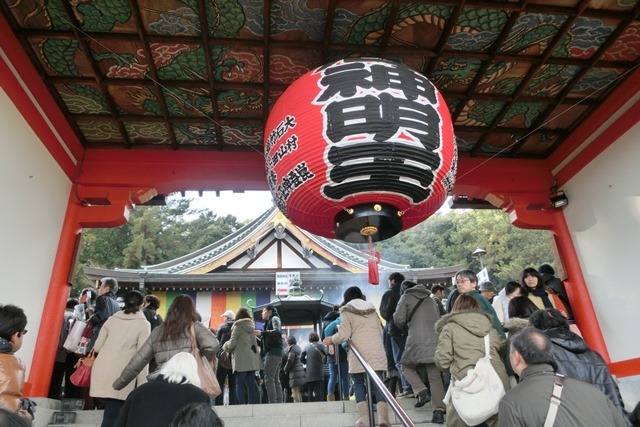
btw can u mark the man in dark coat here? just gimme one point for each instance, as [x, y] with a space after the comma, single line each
[556, 285]
[397, 338]
[527, 404]
[272, 350]
[106, 306]
[573, 358]
[224, 334]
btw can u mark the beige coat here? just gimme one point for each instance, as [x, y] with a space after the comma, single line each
[360, 322]
[119, 340]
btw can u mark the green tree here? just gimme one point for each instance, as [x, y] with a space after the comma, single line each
[445, 240]
[154, 234]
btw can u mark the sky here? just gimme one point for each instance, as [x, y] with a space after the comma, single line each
[243, 206]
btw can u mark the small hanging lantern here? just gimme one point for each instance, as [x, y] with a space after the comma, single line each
[359, 150]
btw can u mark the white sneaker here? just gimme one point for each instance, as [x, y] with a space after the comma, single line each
[406, 393]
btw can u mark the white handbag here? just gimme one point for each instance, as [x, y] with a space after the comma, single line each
[476, 397]
[75, 334]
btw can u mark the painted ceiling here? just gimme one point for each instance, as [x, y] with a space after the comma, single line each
[518, 76]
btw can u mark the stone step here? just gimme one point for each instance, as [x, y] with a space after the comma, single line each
[309, 414]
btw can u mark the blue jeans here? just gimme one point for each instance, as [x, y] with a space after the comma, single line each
[111, 412]
[360, 387]
[397, 346]
[344, 378]
[246, 381]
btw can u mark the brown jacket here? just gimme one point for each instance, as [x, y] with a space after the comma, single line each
[11, 382]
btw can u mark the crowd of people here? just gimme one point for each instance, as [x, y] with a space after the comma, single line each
[146, 372]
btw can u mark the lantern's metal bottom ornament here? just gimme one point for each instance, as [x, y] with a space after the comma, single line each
[375, 221]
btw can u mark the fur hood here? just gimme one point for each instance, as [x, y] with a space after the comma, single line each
[476, 322]
[514, 325]
[359, 307]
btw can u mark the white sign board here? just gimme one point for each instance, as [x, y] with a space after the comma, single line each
[483, 276]
[284, 279]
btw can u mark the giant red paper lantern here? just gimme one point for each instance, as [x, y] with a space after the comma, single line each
[359, 149]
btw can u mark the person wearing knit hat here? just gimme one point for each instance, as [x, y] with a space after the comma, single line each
[487, 290]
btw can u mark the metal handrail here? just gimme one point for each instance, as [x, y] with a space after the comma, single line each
[371, 375]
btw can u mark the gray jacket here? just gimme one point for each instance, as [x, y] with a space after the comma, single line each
[422, 338]
[582, 404]
[165, 350]
[243, 346]
[312, 357]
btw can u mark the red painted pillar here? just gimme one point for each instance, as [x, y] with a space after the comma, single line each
[581, 304]
[54, 305]
[115, 212]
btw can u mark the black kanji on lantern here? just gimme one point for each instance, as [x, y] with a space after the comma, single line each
[383, 129]
[345, 79]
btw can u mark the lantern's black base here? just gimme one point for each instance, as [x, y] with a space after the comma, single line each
[378, 220]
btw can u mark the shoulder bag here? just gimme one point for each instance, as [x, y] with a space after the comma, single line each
[405, 328]
[208, 381]
[554, 401]
[477, 396]
[81, 377]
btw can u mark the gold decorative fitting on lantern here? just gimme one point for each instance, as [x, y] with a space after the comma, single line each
[377, 207]
[349, 211]
[400, 213]
[369, 230]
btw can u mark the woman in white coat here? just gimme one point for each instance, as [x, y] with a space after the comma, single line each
[120, 338]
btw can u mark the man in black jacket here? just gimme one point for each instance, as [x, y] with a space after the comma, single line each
[572, 356]
[548, 277]
[272, 350]
[397, 338]
[106, 306]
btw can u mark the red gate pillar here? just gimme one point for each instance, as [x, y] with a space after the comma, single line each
[54, 305]
[581, 304]
[111, 209]
[577, 290]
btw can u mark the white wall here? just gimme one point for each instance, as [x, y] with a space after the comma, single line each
[604, 219]
[34, 200]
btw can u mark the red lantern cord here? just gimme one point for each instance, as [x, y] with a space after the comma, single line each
[374, 259]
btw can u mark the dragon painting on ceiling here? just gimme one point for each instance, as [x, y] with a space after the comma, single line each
[518, 77]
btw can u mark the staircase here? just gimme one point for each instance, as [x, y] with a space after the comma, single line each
[312, 414]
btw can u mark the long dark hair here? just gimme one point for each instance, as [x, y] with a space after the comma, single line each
[181, 314]
[530, 271]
